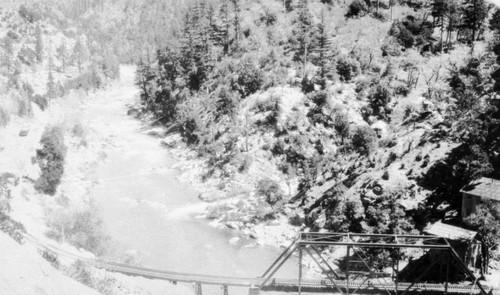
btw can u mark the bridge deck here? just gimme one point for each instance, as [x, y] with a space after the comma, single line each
[326, 286]
[286, 285]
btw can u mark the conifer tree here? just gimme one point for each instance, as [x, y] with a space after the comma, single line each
[167, 83]
[39, 44]
[220, 27]
[303, 34]
[288, 5]
[439, 11]
[80, 54]
[495, 27]
[62, 54]
[196, 46]
[453, 20]
[323, 51]
[474, 15]
[237, 22]
[8, 53]
[51, 85]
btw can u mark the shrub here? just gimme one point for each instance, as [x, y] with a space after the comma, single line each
[29, 14]
[347, 68]
[401, 89]
[78, 130]
[307, 85]
[379, 98]
[51, 160]
[380, 16]
[391, 48]
[24, 109]
[40, 101]
[81, 228]
[250, 78]
[316, 114]
[411, 31]
[296, 219]
[271, 107]
[111, 66]
[4, 117]
[356, 8]
[51, 257]
[28, 89]
[278, 148]
[11, 227]
[268, 17]
[83, 273]
[362, 83]
[87, 81]
[5, 191]
[406, 38]
[271, 190]
[13, 35]
[341, 124]
[245, 164]
[363, 139]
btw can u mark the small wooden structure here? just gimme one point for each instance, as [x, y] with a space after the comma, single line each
[471, 252]
[478, 191]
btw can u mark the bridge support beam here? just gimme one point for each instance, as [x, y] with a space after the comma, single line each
[225, 290]
[447, 273]
[197, 289]
[348, 257]
[300, 270]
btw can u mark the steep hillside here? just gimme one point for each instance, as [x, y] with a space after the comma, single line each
[358, 116]
[45, 73]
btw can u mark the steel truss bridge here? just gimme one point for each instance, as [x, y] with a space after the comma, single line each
[349, 280]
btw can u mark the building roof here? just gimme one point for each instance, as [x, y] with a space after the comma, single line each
[484, 187]
[449, 231]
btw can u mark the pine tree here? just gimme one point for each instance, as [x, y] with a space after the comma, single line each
[474, 15]
[167, 83]
[62, 54]
[237, 22]
[439, 11]
[80, 54]
[8, 53]
[495, 27]
[495, 22]
[51, 85]
[220, 27]
[287, 4]
[196, 46]
[146, 81]
[453, 20]
[39, 44]
[303, 34]
[323, 51]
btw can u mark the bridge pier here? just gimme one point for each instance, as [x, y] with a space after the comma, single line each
[253, 291]
[197, 289]
[225, 290]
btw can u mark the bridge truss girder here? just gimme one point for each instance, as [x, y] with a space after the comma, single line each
[309, 243]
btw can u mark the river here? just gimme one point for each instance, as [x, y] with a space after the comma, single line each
[147, 210]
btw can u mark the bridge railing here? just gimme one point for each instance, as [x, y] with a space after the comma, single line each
[307, 243]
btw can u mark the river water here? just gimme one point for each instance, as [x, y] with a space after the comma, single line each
[147, 210]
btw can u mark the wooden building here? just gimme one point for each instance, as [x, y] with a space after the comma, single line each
[478, 191]
[464, 240]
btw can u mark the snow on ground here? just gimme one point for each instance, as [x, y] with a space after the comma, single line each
[23, 272]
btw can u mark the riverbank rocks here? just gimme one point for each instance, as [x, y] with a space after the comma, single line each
[234, 240]
[155, 132]
[171, 141]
